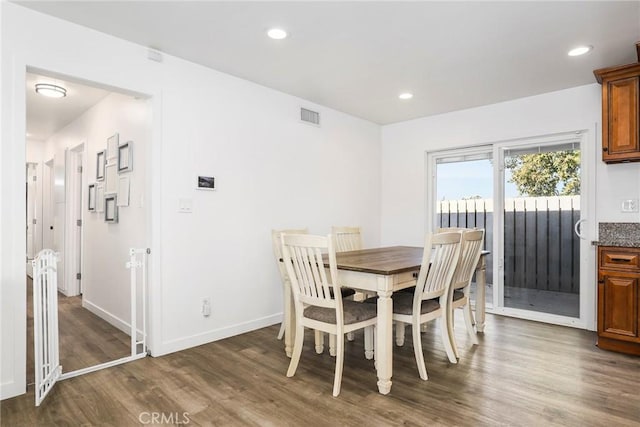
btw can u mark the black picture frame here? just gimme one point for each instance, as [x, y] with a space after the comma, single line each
[111, 208]
[101, 161]
[125, 157]
[91, 198]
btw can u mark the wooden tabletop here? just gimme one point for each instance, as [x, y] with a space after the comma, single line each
[385, 261]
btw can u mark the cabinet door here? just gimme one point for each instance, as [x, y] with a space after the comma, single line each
[618, 305]
[622, 117]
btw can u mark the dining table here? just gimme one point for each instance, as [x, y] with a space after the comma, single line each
[384, 271]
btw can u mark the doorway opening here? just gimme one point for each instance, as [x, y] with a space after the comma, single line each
[541, 207]
[526, 194]
[90, 218]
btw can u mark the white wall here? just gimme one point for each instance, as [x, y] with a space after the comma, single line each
[105, 279]
[34, 150]
[404, 145]
[271, 171]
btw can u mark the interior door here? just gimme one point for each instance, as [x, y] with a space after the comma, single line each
[80, 224]
[31, 210]
[47, 205]
[45, 323]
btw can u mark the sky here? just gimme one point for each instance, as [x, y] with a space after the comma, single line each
[467, 179]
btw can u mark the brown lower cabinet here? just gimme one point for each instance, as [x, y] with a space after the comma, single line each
[619, 299]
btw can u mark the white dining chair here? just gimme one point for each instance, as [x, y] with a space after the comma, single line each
[430, 298]
[276, 242]
[286, 286]
[347, 238]
[315, 292]
[471, 249]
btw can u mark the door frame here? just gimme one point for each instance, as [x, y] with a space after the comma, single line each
[32, 203]
[74, 236]
[431, 169]
[47, 204]
[587, 319]
[13, 133]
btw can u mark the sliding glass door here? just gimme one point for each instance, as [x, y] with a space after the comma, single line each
[463, 184]
[541, 206]
[527, 195]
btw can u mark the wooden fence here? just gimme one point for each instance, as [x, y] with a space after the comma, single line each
[541, 250]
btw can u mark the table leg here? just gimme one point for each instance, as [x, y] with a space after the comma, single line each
[481, 283]
[289, 319]
[384, 337]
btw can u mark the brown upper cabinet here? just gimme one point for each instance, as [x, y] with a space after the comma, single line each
[620, 112]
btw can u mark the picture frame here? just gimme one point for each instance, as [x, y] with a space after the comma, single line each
[112, 146]
[125, 157]
[205, 183]
[101, 161]
[100, 198]
[123, 190]
[111, 208]
[91, 198]
[110, 179]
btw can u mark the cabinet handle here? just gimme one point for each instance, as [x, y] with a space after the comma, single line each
[605, 149]
[621, 259]
[601, 281]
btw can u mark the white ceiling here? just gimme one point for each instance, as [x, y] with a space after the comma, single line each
[45, 116]
[357, 57]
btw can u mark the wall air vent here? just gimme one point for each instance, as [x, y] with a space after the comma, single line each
[311, 117]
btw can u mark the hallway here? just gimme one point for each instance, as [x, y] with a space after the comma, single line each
[85, 339]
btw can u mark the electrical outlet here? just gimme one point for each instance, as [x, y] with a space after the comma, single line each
[629, 205]
[206, 306]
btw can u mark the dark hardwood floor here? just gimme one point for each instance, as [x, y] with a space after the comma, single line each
[85, 339]
[522, 374]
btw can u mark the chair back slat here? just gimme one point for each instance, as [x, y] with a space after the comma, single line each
[472, 242]
[302, 255]
[276, 241]
[347, 238]
[441, 254]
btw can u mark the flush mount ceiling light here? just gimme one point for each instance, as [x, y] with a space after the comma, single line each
[580, 50]
[277, 33]
[405, 95]
[52, 91]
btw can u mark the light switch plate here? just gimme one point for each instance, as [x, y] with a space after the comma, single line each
[630, 205]
[185, 205]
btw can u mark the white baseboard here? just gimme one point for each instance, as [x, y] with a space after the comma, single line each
[217, 334]
[108, 317]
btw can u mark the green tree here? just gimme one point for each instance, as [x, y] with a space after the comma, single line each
[556, 173]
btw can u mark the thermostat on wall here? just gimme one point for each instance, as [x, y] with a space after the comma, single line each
[206, 183]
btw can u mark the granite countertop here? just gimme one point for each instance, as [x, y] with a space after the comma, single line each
[623, 234]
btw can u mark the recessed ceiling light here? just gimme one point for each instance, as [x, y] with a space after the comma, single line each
[580, 50]
[52, 91]
[405, 95]
[277, 33]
